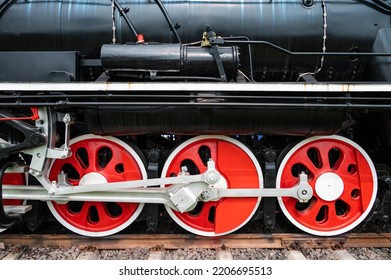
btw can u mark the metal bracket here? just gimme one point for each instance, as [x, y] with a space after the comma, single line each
[219, 63]
[269, 203]
[44, 153]
[304, 192]
[65, 151]
[309, 79]
[209, 39]
[33, 137]
[185, 198]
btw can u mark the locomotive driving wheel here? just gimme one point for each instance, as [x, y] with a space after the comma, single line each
[96, 160]
[239, 169]
[343, 179]
[13, 179]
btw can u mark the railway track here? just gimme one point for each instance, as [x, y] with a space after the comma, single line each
[178, 241]
[235, 246]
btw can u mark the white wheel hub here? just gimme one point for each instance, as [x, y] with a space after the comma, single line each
[92, 178]
[329, 186]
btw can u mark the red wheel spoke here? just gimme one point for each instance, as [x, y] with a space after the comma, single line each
[332, 220]
[76, 165]
[324, 149]
[355, 205]
[103, 215]
[347, 160]
[192, 154]
[92, 151]
[207, 212]
[347, 194]
[93, 158]
[203, 219]
[199, 164]
[309, 215]
[83, 215]
[195, 158]
[305, 160]
[111, 171]
[110, 167]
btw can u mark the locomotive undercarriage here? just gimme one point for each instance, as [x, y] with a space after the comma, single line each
[282, 107]
[97, 185]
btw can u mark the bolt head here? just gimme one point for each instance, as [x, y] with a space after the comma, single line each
[204, 195]
[212, 177]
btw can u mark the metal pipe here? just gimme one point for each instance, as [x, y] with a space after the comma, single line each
[286, 51]
[169, 21]
[123, 14]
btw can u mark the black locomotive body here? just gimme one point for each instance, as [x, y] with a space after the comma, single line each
[220, 110]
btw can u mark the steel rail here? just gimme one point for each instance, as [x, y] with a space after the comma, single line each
[178, 241]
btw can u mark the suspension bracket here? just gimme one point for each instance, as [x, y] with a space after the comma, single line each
[33, 137]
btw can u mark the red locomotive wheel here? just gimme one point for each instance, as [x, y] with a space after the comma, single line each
[236, 164]
[343, 179]
[94, 160]
[14, 179]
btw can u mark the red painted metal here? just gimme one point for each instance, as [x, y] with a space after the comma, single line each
[350, 165]
[238, 170]
[97, 216]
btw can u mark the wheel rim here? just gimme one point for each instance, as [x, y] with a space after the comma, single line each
[97, 159]
[236, 164]
[343, 179]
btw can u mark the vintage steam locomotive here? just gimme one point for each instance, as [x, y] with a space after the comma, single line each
[220, 110]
